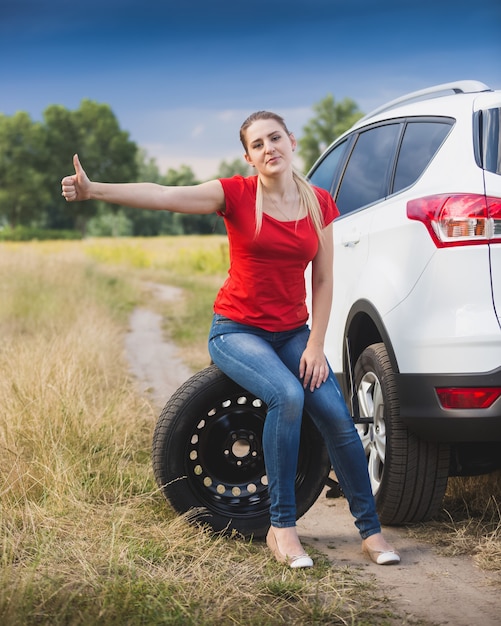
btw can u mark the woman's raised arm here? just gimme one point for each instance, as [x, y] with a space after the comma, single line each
[204, 198]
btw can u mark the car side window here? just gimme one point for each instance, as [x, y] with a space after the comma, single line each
[323, 175]
[365, 179]
[420, 143]
[492, 140]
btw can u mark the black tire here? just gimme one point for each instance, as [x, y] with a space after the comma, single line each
[408, 475]
[208, 459]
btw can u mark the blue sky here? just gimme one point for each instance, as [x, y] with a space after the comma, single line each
[181, 76]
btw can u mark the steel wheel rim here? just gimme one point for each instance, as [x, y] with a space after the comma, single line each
[224, 457]
[229, 475]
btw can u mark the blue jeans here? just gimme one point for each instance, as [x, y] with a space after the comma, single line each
[267, 364]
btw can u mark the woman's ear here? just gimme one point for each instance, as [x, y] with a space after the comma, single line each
[293, 141]
[248, 159]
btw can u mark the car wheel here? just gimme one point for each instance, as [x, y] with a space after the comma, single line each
[208, 458]
[408, 475]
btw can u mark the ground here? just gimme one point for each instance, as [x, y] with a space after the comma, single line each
[426, 587]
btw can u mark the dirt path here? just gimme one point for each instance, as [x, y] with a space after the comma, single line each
[426, 588]
[154, 362]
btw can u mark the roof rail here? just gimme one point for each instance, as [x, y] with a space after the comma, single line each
[462, 86]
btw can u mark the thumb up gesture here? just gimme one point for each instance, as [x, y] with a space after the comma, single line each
[76, 186]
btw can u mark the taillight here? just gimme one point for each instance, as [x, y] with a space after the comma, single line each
[458, 219]
[468, 397]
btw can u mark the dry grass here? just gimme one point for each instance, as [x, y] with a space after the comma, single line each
[471, 521]
[85, 537]
[197, 264]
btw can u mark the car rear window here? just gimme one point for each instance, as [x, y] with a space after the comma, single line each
[491, 140]
[365, 179]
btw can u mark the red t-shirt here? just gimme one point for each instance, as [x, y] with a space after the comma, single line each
[265, 285]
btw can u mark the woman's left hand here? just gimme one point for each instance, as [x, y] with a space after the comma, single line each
[313, 367]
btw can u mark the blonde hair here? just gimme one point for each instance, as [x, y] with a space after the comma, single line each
[308, 200]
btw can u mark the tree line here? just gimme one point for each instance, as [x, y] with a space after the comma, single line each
[33, 156]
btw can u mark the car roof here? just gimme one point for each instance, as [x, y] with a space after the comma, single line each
[443, 99]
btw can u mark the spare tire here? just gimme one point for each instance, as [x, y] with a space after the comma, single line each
[208, 456]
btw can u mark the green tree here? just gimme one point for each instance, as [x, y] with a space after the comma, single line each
[183, 176]
[331, 120]
[61, 143]
[105, 151]
[151, 223]
[191, 224]
[227, 169]
[109, 224]
[22, 192]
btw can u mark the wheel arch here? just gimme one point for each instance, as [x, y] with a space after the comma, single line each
[364, 327]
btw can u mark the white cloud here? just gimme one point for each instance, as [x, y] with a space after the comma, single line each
[198, 130]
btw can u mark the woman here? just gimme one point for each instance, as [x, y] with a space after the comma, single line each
[276, 223]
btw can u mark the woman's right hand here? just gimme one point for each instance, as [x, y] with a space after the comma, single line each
[77, 186]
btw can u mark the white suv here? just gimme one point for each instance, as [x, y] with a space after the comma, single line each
[415, 330]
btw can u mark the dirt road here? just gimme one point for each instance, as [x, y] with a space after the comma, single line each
[426, 588]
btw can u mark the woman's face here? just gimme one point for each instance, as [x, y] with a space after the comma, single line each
[269, 147]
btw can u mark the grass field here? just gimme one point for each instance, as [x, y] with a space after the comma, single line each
[86, 538]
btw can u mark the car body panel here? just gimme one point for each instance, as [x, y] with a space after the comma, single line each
[454, 327]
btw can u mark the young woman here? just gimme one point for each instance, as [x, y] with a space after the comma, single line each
[277, 223]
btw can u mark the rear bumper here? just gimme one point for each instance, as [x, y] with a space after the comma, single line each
[422, 412]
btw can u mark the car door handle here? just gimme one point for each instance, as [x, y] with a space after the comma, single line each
[351, 239]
